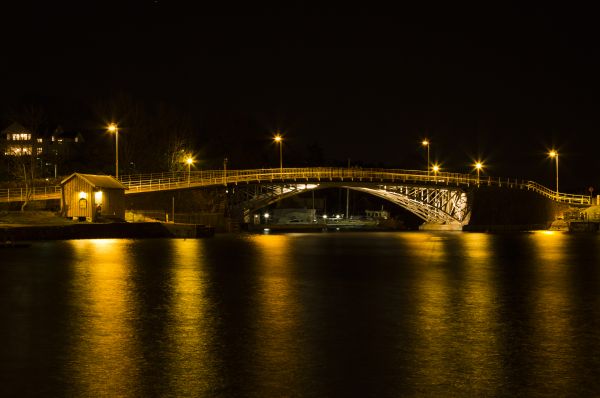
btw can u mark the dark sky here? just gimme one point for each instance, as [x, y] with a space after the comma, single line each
[500, 82]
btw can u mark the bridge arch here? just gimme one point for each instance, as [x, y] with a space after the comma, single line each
[435, 205]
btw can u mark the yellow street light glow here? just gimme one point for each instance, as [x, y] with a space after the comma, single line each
[189, 161]
[554, 155]
[279, 139]
[112, 127]
[425, 143]
[478, 167]
[436, 168]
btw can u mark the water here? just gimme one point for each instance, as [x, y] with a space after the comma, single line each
[303, 315]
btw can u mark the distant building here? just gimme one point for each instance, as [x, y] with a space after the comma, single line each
[90, 197]
[17, 141]
[377, 214]
[50, 150]
[290, 216]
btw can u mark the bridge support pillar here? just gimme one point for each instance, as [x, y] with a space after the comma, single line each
[440, 227]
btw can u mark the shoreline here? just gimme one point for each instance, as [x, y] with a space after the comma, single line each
[120, 230]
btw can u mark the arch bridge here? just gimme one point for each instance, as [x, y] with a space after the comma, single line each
[440, 198]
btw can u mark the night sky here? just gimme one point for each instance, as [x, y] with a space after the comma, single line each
[499, 82]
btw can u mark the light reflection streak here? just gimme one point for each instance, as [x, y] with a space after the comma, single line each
[423, 245]
[455, 312]
[431, 301]
[553, 306]
[481, 346]
[191, 364]
[277, 314]
[105, 359]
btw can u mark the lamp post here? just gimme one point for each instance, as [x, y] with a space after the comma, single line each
[225, 171]
[426, 143]
[478, 167]
[435, 169]
[189, 160]
[278, 139]
[554, 154]
[112, 128]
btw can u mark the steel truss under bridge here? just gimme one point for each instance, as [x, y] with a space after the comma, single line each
[441, 205]
[444, 205]
[249, 198]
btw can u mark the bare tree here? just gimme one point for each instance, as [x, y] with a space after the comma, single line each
[31, 117]
[151, 138]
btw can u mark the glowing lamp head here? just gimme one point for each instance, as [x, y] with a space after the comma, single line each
[425, 143]
[189, 161]
[112, 127]
[278, 138]
[436, 168]
[553, 153]
[478, 165]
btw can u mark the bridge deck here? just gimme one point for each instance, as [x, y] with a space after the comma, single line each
[182, 180]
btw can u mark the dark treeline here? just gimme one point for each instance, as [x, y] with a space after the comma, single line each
[154, 136]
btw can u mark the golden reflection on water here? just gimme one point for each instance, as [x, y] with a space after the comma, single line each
[431, 302]
[424, 246]
[277, 313]
[455, 310]
[552, 315]
[104, 360]
[480, 348]
[191, 369]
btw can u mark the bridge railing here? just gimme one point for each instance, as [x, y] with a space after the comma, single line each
[21, 193]
[181, 179]
[165, 181]
[560, 197]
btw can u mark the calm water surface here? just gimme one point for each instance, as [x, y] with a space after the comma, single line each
[303, 315]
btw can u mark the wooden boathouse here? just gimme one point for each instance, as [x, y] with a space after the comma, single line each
[92, 197]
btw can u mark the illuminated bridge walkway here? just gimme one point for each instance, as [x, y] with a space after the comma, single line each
[439, 199]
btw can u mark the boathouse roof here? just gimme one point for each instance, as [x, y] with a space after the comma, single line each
[97, 181]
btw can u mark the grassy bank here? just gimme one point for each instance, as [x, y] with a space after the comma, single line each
[18, 218]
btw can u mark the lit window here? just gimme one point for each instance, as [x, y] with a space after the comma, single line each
[38, 151]
[21, 137]
[40, 140]
[98, 197]
[14, 150]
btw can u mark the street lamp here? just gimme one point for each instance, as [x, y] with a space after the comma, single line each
[554, 154]
[435, 169]
[478, 167]
[189, 161]
[279, 139]
[426, 143]
[112, 128]
[225, 171]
